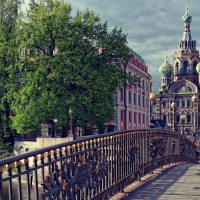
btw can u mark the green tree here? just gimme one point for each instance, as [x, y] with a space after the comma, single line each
[8, 55]
[62, 67]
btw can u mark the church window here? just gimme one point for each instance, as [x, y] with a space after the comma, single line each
[188, 118]
[194, 67]
[185, 67]
[177, 118]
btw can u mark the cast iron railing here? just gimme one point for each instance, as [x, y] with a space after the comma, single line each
[95, 167]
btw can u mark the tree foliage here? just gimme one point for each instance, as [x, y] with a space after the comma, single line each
[8, 54]
[60, 67]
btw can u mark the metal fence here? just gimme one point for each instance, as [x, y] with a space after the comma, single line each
[95, 167]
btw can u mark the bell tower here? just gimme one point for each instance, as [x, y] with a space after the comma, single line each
[187, 57]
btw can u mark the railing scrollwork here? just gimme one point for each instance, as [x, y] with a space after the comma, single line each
[95, 167]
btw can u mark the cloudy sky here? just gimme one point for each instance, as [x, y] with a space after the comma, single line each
[151, 25]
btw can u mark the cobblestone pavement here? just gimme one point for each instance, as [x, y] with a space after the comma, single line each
[180, 182]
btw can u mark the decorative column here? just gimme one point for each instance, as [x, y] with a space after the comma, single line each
[195, 106]
[173, 106]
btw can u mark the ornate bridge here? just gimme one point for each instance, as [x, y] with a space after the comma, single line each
[96, 167]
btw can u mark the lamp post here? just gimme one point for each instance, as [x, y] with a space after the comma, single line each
[55, 122]
[152, 99]
[195, 105]
[173, 106]
[71, 113]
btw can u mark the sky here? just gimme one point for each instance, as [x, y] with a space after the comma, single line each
[151, 25]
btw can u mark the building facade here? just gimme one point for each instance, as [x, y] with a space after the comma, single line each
[132, 104]
[176, 100]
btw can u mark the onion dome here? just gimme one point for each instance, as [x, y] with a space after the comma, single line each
[187, 18]
[194, 98]
[166, 68]
[198, 68]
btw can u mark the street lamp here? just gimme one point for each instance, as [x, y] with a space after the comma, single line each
[173, 106]
[195, 101]
[152, 99]
[71, 113]
[55, 122]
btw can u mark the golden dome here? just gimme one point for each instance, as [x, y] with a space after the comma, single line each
[173, 105]
[194, 98]
[152, 97]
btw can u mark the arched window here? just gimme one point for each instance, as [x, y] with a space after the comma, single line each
[185, 67]
[194, 67]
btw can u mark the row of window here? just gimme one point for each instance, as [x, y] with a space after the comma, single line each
[137, 99]
[178, 119]
[178, 104]
[137, 116]
[145, 88]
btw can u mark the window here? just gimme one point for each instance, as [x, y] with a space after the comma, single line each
[164, 104]
[134, 98]
[178, 104]
[139, 99]
[188, 118]
[165, 117]
[147, 103]
[129, 96]
[183, 103]
[188, 104]
[135, 117]
[143, 101]
[177, 118]
[143, 120]
[130, 116]
[139, 120]
[147, 87]
[122, 115]
[185, 67]
[143, 84]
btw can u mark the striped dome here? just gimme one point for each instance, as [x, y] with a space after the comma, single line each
[187, 18]
[166, 69]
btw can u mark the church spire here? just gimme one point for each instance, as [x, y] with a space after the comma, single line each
[166, 60]
[187, 42]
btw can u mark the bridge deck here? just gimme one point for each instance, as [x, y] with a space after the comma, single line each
[178, 182]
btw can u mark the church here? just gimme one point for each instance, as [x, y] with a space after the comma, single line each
[175, 106]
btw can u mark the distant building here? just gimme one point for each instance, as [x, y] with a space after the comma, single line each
[177, 98]
[132, 104]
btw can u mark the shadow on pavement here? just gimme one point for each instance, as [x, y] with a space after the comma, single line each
[173, 178]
